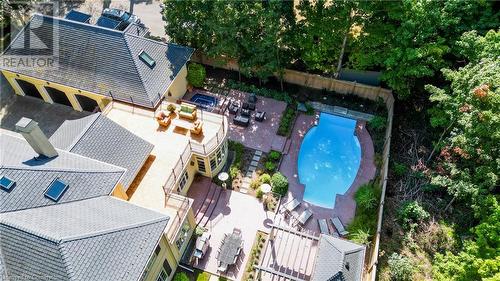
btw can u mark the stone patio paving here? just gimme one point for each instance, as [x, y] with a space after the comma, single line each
[231, 210]
[258, 135]
[345, 205]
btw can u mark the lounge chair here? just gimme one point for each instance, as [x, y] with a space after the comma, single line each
[323, 226]
[290, 206]
[303, 217]
[339, 226]
[260, 116]
[245, 112]
[187, 111]
[163, 118]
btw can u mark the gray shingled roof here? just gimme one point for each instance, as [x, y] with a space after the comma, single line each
[86, 177]
[100, 138]
[338, 260]
[101, 60]
[102, 238]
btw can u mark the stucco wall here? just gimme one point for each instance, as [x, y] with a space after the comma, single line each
[40, 84]
[178, 87]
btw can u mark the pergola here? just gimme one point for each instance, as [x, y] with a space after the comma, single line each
[287, 255]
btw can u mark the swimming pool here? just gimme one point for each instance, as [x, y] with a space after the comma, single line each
[329, 159]
[204, 101]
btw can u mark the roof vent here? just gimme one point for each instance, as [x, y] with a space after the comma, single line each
[6, 183]
[35, 137]
[147, 59]
[56, 190]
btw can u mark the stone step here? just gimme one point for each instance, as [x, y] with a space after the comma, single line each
[243, 190]
[254, 164]
[247, 180]
[249, 174]
[256, 158]
[258, 152]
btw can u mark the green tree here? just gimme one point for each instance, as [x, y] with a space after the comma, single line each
[412, 40]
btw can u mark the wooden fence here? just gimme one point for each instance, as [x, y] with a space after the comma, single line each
[345, 88]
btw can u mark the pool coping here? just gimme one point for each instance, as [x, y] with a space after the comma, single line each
[345, 206]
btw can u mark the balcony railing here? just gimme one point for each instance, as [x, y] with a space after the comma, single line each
[196, 148]
[181, 205]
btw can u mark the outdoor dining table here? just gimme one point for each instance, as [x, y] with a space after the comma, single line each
[229, 250]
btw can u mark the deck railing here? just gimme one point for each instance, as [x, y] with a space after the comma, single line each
[181, 204]
[196, 148]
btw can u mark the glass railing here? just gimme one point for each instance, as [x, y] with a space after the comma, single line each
[181, 205]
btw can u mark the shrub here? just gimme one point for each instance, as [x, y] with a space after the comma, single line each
[265, 178]
[361, 236]
[270, 166]
[171, 107]
[377, 158]
[259, 194]
[196, 74]
[411, 213]
[400, 267]
[309, 109]
[234, 171]
[377, 123]
[255, 184]
[286, 122]
[204, 276]
[399, 169]
[274, 155]
[279, 184]
[181, 276]
[366, 197]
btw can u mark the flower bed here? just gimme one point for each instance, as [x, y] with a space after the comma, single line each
[253, 260]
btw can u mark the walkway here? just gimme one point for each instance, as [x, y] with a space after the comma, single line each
[345, 206]
[231, 209]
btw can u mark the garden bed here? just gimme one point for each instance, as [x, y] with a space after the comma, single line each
[253, 260]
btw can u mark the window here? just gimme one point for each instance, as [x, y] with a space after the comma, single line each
[56, 190]
[201, 165]
[150, 262]
[213, 163]
[6, 183]
[183, 181]
[183, 234]
[147, 59]
[166, 270]
[217, 157]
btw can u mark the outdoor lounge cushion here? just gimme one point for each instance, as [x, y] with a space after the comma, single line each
[188, 111]
[339, 226]
[323, 226]
[241, 121]
[163, 118]
[260, 115]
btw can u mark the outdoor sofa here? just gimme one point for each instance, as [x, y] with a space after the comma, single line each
[241, 121]
[187, 111]
[260, 116]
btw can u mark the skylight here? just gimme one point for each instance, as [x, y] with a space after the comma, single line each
[56, 190]
[147, 59]
[6, 183]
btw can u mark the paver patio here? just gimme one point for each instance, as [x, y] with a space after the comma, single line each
[232, 210]
[345, 206]
[258, 135]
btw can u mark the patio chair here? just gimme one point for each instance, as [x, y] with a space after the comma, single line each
[290, 206]
[339, 226]
[163, 118]
[197, 128]
[245, 105]
[323, 226]
[303, 218]
[237, 231]
[252, 98]
[260, 116]
[251, 106]
[245, 112]
[233, 107]
[241, 121]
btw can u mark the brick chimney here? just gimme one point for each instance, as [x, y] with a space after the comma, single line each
[35, 137]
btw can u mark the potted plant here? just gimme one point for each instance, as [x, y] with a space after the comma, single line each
[171, 108]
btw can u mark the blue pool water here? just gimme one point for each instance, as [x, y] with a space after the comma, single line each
[329, 159]
[204, 101]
